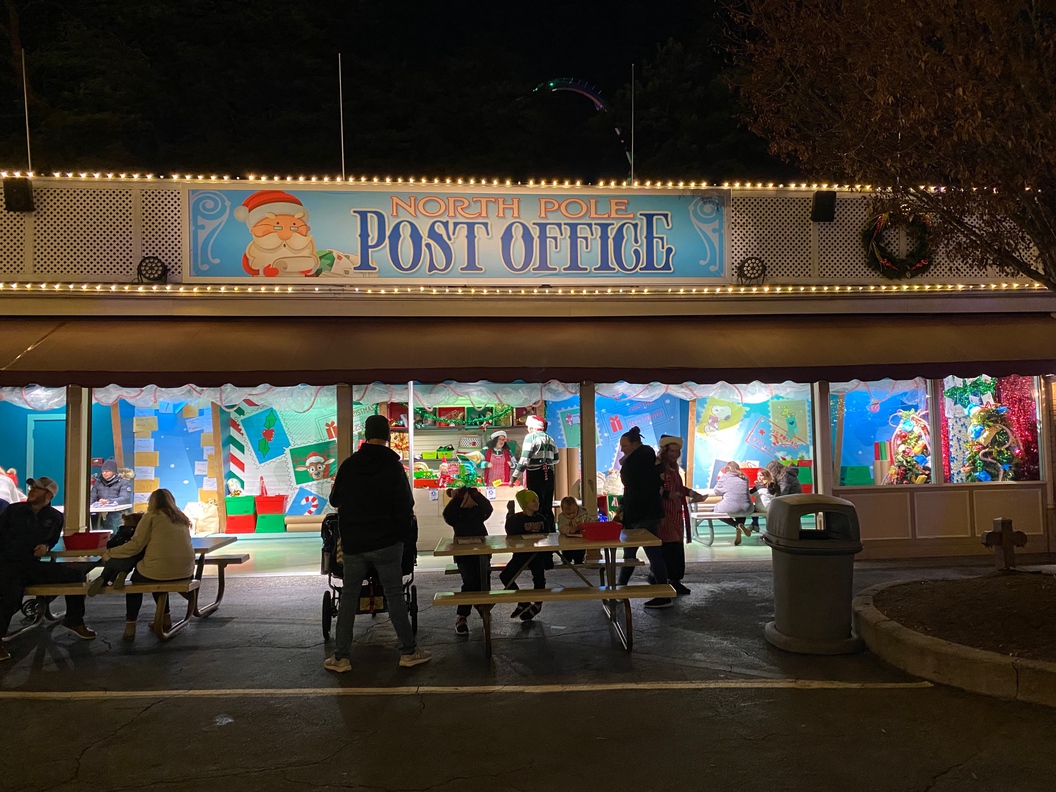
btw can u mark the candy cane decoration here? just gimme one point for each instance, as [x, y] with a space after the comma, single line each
[236, 449]
[312, 502]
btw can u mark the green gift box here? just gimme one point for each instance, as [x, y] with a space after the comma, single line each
[271, 523]
[243, 504]
[856, 475]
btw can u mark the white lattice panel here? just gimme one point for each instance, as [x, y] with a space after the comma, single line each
[12, 242]
[777, 230]
[84, 234]
[841, 257]
[162, 233]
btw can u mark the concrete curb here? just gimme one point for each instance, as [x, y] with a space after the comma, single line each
[948, 663]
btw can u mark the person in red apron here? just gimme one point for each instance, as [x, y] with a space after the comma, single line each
[674, 526]
[498, 461]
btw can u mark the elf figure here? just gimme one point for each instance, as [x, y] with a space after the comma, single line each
[498, 461]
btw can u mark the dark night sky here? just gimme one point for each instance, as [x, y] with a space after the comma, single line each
[431, 89]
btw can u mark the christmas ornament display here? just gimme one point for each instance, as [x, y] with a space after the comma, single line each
[910, 449]
[994, 450]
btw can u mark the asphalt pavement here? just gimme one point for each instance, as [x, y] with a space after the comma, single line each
[240, 701]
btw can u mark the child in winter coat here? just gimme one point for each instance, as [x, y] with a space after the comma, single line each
[765, 490]
[568, 521]
[116, 569]
[466, 513]
[528, 521]
[736, 502]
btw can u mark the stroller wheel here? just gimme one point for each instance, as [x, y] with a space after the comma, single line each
[328, 614]
[413, 608]
[29, 609]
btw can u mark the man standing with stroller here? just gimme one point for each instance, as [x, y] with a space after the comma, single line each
[375, 510]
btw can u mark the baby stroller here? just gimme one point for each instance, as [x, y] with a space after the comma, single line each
[371, 596]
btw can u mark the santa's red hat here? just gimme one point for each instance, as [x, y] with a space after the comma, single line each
[315, 458]
[264, 202]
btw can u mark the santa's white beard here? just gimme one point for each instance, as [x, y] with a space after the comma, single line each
[293, 256]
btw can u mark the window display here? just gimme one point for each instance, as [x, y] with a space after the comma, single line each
[990, 429]
[880, 432]
[32, 439]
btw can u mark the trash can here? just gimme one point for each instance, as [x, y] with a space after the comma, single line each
[813, 574]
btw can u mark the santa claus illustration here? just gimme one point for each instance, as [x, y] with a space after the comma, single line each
[282, 241]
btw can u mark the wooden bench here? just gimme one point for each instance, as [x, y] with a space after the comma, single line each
[701, 515]
[452, 569]
[221, 562]
[484, 601]
[187, 588]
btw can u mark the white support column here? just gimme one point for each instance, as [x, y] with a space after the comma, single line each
[588, 450]
[825, 477]
[345, 429]
[75, 500]
[410, 433]
[938, 469]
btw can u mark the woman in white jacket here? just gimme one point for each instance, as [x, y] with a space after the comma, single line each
[163, 536]
[736, 501]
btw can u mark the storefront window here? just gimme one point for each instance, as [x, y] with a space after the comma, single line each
[880, 432]
[990, 429]
[270, 453]
[32, 439]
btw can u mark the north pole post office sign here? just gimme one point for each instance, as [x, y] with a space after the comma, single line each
[289, 233]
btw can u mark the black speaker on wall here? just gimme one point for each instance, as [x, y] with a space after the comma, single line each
[18, 195]
[823, 207]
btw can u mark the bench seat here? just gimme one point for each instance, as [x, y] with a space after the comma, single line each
[221, 562]
[452, 569]
[576, 594]
[699, 516]
[188, 588]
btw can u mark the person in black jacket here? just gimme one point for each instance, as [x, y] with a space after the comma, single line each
[643, 506]
[466, 513]
[375, 511]
[110, 489]
[530, 520]
[27, 531]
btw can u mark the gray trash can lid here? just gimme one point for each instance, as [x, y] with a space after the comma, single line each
[784, 523]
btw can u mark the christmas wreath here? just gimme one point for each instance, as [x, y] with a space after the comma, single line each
[879, 258]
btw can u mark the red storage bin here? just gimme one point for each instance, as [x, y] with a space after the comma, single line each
[594, 531]
[88, 540]
[269, 504]
[241, 523]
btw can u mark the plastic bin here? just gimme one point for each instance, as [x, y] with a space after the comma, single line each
[601, 531]
[241, 523]
[270, 504]
[271, 523]
[813, 574]
[241, 504]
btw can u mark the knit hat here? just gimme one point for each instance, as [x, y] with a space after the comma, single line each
[257, 206]
[110, 466]
[498, 434]
[376, 427]
[536, 420]
[524, 496]
[666, 440]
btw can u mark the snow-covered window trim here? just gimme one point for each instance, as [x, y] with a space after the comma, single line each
[752, 393]
[479, 394]
[34, 397]
[879, 390]
[299, 398]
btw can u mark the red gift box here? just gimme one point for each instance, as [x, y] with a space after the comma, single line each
[269, 504]
[601, 531]
[241, 523]
[88, 540]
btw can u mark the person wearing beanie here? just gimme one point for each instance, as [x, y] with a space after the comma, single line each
[467, 512]
[110, 489]
[529, 520]
[375, 512]
[538, 461]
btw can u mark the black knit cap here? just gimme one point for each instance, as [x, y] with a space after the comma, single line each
[376, 428]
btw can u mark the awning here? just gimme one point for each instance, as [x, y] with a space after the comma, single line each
[286, 351]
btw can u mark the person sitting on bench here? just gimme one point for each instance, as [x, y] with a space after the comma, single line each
[467, 514]
[116, 569]
[163, 538]
[27, 531]
[529, 520]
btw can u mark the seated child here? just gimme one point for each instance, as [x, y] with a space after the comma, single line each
[115, 569]
[466, 514]
[764, 490]
[568, 521]
[529, 520]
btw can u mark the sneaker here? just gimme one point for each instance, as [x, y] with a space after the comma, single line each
[420, 656]
[80, 631]
[119, 581]
[130, 631]
[531, 612]
[521, 608]
[4, 654]
[659, 602]
[96, 587]
[461, 626]
[337, 665]
[681, 590]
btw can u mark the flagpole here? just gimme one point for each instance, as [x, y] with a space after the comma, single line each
[341, 108]
[25, 100]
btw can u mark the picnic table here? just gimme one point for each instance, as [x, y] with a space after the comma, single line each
[610, 594]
